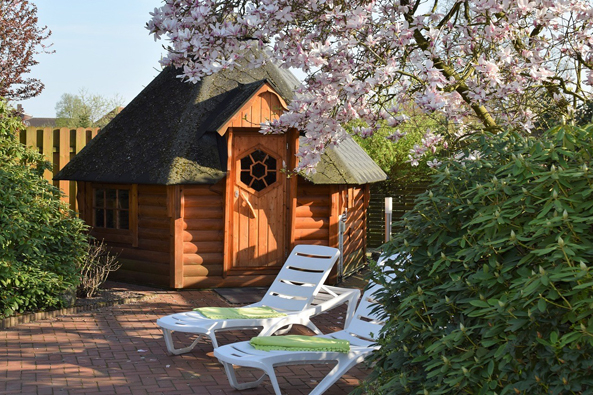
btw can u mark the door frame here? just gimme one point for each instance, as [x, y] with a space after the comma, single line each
[289, 203]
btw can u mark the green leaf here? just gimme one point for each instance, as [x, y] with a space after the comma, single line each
[545, 280]
[490, 368]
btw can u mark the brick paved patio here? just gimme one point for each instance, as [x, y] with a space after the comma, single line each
[119, 350]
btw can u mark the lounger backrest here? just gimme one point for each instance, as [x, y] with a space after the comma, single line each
[366, 323]
[300, 278]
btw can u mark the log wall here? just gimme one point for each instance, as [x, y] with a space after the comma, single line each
[318, 210]
[312, 216]
[144, 250]
[203, 235]
[150, 249]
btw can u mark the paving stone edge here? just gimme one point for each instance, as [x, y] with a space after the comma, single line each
[10, 322]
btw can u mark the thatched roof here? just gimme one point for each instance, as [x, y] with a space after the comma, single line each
[167, 134]
[347, 163]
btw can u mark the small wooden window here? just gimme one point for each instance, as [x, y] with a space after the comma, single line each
[258, 170]
[111, 208]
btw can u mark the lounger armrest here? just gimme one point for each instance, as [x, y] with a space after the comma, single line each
[330, 297]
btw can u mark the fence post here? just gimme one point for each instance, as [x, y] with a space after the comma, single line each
[388, 217]
[48, 151]
[63, 158]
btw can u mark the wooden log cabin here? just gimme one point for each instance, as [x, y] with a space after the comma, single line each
[183, 186]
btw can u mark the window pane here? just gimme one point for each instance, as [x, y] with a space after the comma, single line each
[245, 163]
[99, 202]
[124, 219]
[259, 156]
[270, 178]
[110, 196]
[123, 199]
[99, 220]
[246, 177]
[270, 163]
[258, 185]
[110, 219]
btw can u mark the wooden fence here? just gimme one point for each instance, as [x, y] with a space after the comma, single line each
[59, 146]
[403, 201]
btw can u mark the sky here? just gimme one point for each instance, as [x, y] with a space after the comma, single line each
[100, 45]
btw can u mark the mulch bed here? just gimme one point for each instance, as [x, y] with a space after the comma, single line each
[112, 293]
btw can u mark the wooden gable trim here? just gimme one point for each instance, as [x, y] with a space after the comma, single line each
[238, 118]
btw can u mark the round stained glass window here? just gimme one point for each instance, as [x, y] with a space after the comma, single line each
[258, 170]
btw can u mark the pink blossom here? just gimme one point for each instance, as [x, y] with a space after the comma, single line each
[433, 164]
[489, 69]
[360, 57]
[525, 6]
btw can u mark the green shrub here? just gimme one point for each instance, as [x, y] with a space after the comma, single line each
[41, 241]
[494, 285]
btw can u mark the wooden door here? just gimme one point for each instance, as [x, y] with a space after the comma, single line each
[259, 201]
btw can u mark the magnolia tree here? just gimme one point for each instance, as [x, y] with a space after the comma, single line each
[482, 64]
[20, 40]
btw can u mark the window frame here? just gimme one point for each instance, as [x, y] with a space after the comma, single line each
[130, 209]
[241, 171]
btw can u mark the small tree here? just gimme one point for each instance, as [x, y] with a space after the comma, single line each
[42, 242]
[95, 269]
[493, 285]
[396, 150]
[86, 110]
[20, 40]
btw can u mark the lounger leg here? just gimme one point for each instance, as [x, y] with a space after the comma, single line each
[334, 375]
[272, 375]
[212, 336]
[283, 331]
[271, 330]
[171, 347]
[230, 373]
[312, 326]
[350, 312]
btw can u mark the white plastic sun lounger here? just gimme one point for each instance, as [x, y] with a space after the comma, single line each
[360, 332]
[298, 291]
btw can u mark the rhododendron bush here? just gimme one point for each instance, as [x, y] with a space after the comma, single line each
[482, 64]
[491, 286]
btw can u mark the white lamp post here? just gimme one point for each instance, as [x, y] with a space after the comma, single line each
[388, 216]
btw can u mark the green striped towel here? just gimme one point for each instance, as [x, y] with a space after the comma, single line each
[226, 313]
[299, 343]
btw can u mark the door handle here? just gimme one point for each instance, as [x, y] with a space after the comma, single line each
[249, 204]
